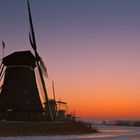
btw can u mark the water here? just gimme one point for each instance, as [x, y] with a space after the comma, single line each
[106, 133]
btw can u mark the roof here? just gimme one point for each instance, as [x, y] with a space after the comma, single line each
[20, 58]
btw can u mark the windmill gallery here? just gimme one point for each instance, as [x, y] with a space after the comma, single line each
[19, 98]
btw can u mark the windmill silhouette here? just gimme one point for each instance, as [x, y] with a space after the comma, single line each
[19, 96]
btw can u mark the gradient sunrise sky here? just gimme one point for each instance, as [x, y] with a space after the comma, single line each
[91, 49]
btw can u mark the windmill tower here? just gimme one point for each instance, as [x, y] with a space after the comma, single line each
[19, 97]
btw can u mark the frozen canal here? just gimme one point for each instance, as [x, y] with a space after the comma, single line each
[106, 133]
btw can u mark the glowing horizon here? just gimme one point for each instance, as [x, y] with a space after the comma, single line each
[91, 49]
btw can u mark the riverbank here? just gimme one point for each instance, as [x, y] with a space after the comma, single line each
[44, 128]
[106, 133]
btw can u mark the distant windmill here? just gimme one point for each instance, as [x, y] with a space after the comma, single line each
[53, 104]
[56, 106]
[19, 97]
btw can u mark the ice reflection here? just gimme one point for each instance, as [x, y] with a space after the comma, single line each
[112, 133]
[107, 133]
[95, 136]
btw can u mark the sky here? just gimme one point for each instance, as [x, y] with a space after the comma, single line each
[90, 47]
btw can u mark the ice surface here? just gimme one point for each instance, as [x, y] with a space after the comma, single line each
[109, 133]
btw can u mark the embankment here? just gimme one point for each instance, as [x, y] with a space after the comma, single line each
[44, 128]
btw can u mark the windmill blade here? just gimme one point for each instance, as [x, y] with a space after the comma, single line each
[2, 75]
[48, 109]
[61, 102]
[38, 61]
[33, 43]
[53, 90]
[1, 71]
[44, 72]
[1, 65]
[56, 109]
[31, 34]
[43, 68]
[43, 64]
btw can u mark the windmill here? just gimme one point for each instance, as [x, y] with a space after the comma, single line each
[19, 96]
[53, 104]
[58, 107]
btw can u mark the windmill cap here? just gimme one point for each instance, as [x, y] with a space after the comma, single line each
[20, 58]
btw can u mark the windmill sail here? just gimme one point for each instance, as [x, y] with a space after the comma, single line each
[39, 62]
[31, 34]
[33, 43]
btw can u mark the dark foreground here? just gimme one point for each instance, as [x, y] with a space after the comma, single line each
[44, 128]
[106, 133]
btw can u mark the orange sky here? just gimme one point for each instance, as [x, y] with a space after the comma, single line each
[90, 47]
[100, 100]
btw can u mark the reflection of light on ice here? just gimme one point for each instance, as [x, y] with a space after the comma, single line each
[115, 133]
[95, 136]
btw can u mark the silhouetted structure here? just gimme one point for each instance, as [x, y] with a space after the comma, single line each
[19, 98]
[19, 95]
